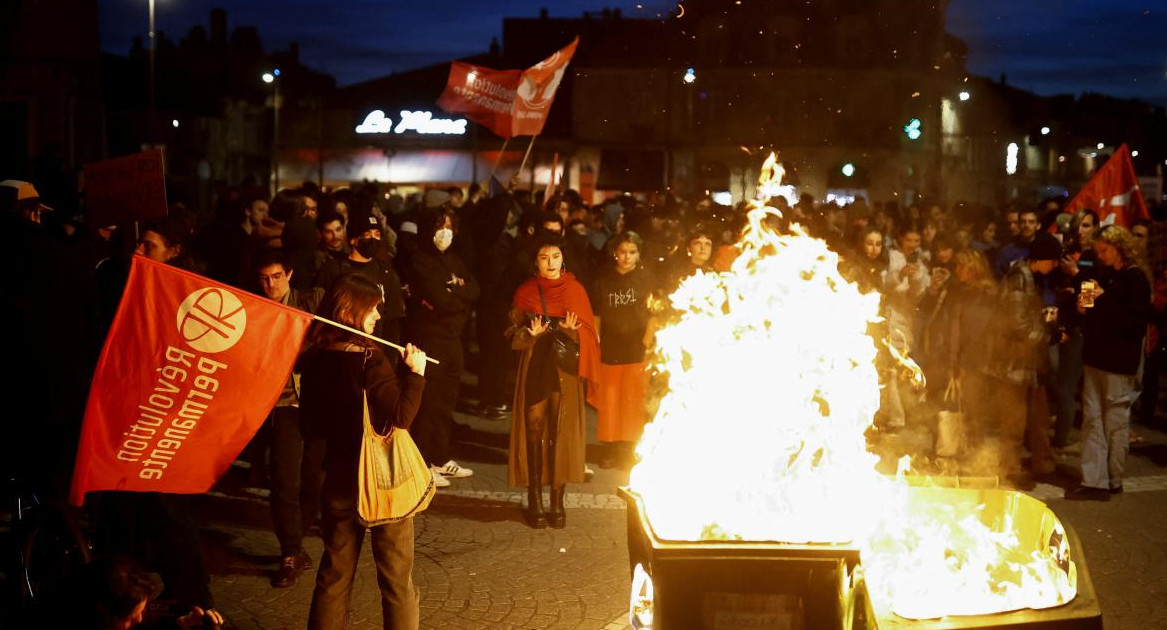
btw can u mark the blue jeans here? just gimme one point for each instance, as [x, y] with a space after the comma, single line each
[1106, 421]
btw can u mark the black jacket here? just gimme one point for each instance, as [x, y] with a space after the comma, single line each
[332, 379]
[1115, 326]
[439, 308]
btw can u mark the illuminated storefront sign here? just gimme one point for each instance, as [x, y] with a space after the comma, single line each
[417, 122]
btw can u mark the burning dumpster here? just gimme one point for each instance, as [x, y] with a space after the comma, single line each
[756, 503]
[734, 584]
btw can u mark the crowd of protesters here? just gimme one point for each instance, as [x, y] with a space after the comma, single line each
[1029, 321]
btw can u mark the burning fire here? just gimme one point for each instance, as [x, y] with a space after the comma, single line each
[772, 385]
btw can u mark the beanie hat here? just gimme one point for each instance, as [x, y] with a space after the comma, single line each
[435, 198]
[361, 221]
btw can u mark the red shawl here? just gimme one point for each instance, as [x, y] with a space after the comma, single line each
[563, 295]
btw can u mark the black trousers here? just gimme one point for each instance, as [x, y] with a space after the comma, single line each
[433, 427]
[295, 479]
[495, 357]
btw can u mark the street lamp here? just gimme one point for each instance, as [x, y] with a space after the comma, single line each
[964, 96]
[153, 36]
[272, 78]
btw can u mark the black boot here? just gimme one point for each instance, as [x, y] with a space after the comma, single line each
[534, 513]
[556, 516]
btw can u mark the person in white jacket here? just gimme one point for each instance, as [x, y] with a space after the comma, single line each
[904, 283]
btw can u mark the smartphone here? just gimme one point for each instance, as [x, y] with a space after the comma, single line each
[1088, 287]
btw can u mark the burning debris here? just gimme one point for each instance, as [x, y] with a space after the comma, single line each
[772, 384]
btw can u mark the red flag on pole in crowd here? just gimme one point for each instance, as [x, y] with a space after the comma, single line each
[536, 91]
[1113, 192]
[188, 374]
[482, 94]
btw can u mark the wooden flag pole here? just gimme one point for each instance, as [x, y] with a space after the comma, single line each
[527, 154]
[494, 168]
[368, 336]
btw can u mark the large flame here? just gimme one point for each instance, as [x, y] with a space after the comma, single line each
[772, 385]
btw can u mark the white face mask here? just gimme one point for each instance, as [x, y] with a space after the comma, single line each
[443, 238]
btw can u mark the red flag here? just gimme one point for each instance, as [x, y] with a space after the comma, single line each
[483, 95]
[536, 91]
[1113, 192]
[188, 374]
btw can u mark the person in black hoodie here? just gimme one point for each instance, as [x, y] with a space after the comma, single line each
[338, 371]
[442, 291]
[1115, 312]
[369, 257]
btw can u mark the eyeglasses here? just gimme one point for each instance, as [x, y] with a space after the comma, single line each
[275, 277]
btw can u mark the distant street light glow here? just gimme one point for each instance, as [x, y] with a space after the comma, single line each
[848, 169]
[1101, 146]
[174, 123]
[1011, 158]
[1045, 131]
[1134, 154]
[964, 96]
[268, 77]
[690, 76]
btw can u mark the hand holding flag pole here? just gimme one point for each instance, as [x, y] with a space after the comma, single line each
[368, 336]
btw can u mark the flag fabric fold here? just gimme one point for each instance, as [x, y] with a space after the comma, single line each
[1113, 192]
[188, 374]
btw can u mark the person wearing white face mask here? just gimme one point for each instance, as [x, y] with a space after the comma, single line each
[442, 291]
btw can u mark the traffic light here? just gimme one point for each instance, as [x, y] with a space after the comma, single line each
[912, 129]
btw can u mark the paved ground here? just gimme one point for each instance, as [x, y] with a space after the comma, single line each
[479, 566]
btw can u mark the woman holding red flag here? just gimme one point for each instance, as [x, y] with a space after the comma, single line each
[547, 426]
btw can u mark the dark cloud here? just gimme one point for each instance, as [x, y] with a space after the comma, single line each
[1067, 46]
[1048, 46]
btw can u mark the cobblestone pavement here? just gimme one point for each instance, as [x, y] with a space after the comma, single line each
[479, 566]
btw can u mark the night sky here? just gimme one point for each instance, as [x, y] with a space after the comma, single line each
[1115, 47]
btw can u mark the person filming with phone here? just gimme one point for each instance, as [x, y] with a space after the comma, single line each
[1115, 309]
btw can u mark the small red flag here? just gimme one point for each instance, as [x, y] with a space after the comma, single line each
[536, 91]
[482, 94]
[188, 374]
[1113, 192]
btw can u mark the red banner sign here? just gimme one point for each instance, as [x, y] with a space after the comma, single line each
[536, 91]
[482, 95]
[188, 374]
[1113, 192]
[130, 188]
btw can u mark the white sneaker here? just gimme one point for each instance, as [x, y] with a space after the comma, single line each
[452, 469]
[439, 481]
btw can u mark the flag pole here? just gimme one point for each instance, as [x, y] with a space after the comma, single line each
[498, 161]
[527, 154]
[368, 336]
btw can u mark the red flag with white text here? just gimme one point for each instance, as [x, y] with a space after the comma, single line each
[536, 91]
[189, 371]
[1113, 192]
[482, 95]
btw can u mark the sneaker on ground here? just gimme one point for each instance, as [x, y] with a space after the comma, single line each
[452, 469]
[439, 481]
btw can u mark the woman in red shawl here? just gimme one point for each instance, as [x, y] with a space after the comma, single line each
[547, 426]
